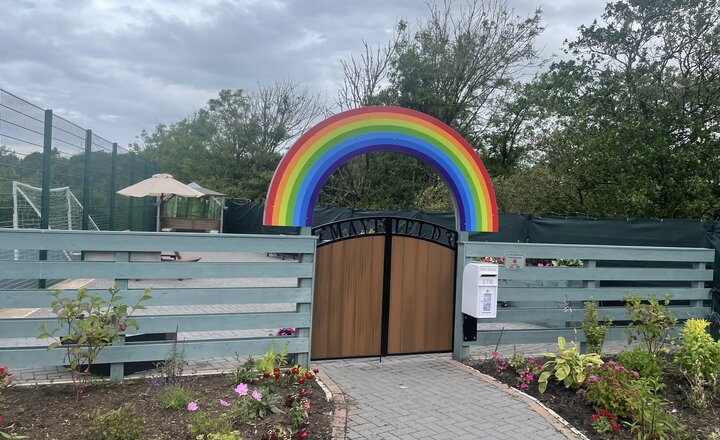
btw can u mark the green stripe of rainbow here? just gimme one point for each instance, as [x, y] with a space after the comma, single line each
[308, 164]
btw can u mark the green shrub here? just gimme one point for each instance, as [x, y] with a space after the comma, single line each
[248, 409]
[650, 321]
[642, 361]
[699, 361]
[245, 372]
[594, 330]
[610, 386]
[271, 360]
[175, 396]
[119, 424]
[567, 366]
[203, 425]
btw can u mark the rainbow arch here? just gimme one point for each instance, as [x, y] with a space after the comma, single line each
[310, 162]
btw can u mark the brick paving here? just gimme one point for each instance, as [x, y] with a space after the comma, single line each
[427, 397]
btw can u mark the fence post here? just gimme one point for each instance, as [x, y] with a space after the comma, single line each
[460, 351]
[304, 358]
[131, 202]
[45, 197]
[117, 370]
[113, 183]
[87, 181]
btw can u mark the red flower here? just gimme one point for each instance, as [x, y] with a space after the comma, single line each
[288, 372]
[276, 370]
[295, 370]
[2, 419]
[3, 369]
[266, 375]
[615, 427]
[316, 371]
[595, 417]
[302, 434]
[301, 380]
[308, 376]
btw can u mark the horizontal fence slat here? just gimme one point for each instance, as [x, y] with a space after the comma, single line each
[140, 352]
[540, 336]
[557, 316]
[19, 328]
[589, 252]
[152, 270]
[170, 297]
[154, 241]
[599, 294]
[531, 273]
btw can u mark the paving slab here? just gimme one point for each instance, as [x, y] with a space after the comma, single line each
[430, 397]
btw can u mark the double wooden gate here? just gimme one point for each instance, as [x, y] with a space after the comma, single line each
[384, 285]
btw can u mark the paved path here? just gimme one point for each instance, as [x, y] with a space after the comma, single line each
[428, 397]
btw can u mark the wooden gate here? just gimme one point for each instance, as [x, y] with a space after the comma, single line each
[384, 285]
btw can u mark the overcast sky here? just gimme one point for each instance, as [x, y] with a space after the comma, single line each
[121, 66]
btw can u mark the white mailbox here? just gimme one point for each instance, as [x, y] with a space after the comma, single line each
[480, 289]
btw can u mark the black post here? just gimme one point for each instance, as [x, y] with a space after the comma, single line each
[87, 182]
[387, 265]
[45, 197]
[131, 207]
[113, 183]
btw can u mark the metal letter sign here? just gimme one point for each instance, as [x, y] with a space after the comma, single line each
[514, 261]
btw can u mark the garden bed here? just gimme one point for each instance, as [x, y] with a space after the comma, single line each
[51, 412]
[573, 408]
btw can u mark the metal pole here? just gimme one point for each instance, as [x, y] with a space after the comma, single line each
[87, 184]
[45, 200]
[131, 207]
[113, 184]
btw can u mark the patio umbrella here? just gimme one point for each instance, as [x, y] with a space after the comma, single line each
[159, 185]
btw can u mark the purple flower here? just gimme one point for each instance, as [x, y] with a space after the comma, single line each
[256, 395]
[192, 406]
[592, 379]
[241, 389]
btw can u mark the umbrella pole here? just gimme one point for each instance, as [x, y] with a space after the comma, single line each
[159, 212]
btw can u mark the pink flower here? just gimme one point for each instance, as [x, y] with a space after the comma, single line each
[495, 354]
[523, 386]
[539, 366]
[581, 392]
[619, 368]
[224, 403]
[530, 378]
[592, 379]
[531, 362]
[610, 363]
[635, 374]
[307, 405]
[189, 426]
[257, 396]
[192, 406]
[241, 389]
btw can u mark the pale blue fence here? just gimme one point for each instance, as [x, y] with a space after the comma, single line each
[538, 304]
[127, 258]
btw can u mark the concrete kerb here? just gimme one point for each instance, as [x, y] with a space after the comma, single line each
[339, 421]
[560, 424]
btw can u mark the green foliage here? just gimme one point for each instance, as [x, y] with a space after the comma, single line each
[611, 386]
[645, 363]
[119, 424]
[650, 321]
[271, 360]
[567, 366]
[205, 425]
[299, 417]
[89, 324]
[234, 435]
[699, 360]
[654, 421]
[248, 410]
[170, 370]
[175, 396]
[594, 330]
[245, 372]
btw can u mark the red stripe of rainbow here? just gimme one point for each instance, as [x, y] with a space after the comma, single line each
[319, 152]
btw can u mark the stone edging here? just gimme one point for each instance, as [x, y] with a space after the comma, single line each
[339, 421]
[560, 424]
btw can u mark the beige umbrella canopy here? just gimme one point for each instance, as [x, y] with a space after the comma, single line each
[159, 185]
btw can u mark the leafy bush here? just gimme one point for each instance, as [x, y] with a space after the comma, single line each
[642, 361]
[271, 360]
[204, 425]
[650, 321]
[610, 386]
[567, 365]
[594, 330]
[91, 324]
[699, 360]
[654, 421]
[175, 396]
[119, 424]
[245, 372]
[252, 407]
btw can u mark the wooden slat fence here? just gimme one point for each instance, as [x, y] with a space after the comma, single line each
[538, 304]
[127, 253]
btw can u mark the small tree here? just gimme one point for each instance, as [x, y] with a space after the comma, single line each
[650, 321]
[90, 324]
[594, 330]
